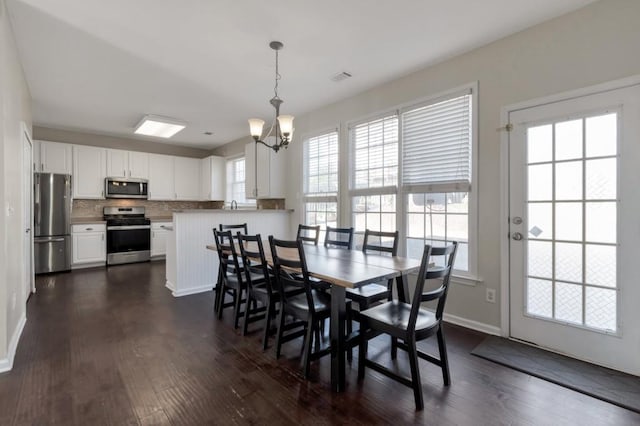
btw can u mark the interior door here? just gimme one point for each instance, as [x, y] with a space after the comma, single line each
[574, 227]
[27, 202]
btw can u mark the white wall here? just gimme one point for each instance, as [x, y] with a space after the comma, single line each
[15, 107]
[595, 44]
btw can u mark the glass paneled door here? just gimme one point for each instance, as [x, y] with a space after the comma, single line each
[575, 227]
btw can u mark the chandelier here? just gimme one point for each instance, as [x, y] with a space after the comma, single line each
[282, 126]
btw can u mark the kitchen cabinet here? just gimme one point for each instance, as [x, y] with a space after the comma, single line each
[187, 178]
[89, 243]
[161, 177]
[264, 171]
[52, 157]
[213, 170]
[127, 164]
[89, 171]
[159, 232]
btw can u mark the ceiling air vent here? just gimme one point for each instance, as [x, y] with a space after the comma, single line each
[341, 76]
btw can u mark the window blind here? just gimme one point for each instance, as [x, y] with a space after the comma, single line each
[436, 152]
[321, 166]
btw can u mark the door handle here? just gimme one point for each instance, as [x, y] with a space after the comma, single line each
[28, 230]
[53, 240]
[516, 236]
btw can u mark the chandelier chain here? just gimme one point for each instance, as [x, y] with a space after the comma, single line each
[278, 77]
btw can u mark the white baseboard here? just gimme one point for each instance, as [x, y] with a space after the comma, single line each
[6, 364]
[188, 291]
[473, 325]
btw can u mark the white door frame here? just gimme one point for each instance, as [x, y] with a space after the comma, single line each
[504, 178]
[26, 137]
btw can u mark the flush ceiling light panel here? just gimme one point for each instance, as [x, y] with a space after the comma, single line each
[161, 127]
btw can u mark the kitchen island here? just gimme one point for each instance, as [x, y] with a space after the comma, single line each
[190, 267]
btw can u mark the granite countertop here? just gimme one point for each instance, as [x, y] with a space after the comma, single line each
[234, 211]
[160, 218]
[82, 220]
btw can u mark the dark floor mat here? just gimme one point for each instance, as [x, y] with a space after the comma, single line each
[608, 385]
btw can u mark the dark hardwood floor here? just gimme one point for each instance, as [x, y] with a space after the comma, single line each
[112, 346]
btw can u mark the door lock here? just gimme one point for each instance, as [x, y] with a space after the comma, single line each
[517, 220]
[516, 236]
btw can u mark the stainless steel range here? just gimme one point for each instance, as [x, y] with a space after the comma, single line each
[128, 235]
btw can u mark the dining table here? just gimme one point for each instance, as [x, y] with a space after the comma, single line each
[344, 269]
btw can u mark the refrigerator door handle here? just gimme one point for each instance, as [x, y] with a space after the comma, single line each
[48, 240]
[36, 203]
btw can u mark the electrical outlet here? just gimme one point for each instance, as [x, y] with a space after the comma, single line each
[491, 295]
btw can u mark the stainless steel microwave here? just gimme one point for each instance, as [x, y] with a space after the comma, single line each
[117, 187]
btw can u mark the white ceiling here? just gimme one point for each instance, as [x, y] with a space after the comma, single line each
[100, 65]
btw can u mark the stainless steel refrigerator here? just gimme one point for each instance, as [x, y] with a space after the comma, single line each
[52, 223]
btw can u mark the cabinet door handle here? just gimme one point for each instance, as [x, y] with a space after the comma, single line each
[124, 173]
[103, 237]
[88, 229]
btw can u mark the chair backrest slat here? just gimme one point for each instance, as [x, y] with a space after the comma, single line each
[343, 237]
[434, 272]
[254, 260]
[308, 234]
[289, 271]
[235, 228]
[226, 252]
[367, 246]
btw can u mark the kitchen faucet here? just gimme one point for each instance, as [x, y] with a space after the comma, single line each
[234, 205]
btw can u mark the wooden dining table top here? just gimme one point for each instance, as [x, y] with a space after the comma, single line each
[347, 268]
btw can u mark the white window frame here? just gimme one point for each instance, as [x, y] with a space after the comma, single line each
[228, 194]
[469, 277]
[318, 198]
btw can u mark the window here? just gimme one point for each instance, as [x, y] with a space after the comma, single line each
[235, 181]
[321, 180]
[374, 177]
[436, 174]
[429, 196]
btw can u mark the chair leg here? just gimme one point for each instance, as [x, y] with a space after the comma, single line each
[362, 354]
[349, 330]
[280, 331]
[216, 300]
[415, 374]
[394, 348]
[444, 360]
[307, 344]
[236, 308]
[221, 296]
[267, 325]
[245, 326]
[317, 335]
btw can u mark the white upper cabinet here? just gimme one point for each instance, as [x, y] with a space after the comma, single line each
[264, 171]
[117, 163]
[127, 164]
[138, 165]
[161, 177]
[52, 157]
[89, 171]
[187, 178]
[213, 178]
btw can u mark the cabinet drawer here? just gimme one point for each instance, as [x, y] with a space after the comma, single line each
[88, 227]
[158, 226]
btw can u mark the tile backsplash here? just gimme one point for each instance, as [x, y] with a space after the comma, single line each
[93, 208]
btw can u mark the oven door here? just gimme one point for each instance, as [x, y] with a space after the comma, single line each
[122, 239]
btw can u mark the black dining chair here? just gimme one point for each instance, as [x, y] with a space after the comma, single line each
[370, 294]
[308, 234]
[410, 323]
[232, 280]
[255, 262]
[232, 228]
[338, 237]
[309, 308]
